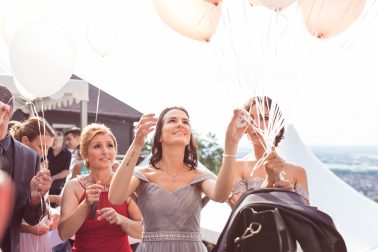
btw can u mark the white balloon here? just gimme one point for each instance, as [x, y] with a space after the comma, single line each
[42, 57]
[102, 35]
[17, 16]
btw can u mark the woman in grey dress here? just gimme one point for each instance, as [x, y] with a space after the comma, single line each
[169, 189]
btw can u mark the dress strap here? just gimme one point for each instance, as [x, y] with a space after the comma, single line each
[301, 191]
[202, 177]
[83, 181]
[140, 175]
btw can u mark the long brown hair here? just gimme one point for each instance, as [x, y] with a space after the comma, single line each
[190, 155]
[267, 103]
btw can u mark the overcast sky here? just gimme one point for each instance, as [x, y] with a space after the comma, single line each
[327, 88]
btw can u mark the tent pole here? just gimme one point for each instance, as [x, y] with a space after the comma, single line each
[83, 114]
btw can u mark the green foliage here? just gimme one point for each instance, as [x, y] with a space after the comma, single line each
[146, 150]
[376, 200]
[210, 154]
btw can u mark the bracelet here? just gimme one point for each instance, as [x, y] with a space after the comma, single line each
[125, 225]
[228, 155]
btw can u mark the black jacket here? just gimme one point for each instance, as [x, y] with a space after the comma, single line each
[313, 229]
[25, 167]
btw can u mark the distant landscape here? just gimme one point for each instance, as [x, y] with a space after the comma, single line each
[356, 165]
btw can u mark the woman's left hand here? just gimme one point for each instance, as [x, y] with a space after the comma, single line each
[274, 165]
[284, 185]
[110, 215]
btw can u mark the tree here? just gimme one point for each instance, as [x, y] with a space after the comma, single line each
[146, 150]
[210, 154]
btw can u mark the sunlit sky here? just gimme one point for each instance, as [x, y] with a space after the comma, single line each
[328, 88]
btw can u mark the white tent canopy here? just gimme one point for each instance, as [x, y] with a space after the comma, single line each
[355, 216]
[74, 91]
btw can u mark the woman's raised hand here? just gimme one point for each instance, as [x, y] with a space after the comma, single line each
[236, 129]
[145, 125]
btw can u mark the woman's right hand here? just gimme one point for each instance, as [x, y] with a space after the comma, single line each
[93, 193]
[145, 125]
[235, 130]
[42, 227]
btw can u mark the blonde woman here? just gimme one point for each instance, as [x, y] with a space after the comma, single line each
[112, 223]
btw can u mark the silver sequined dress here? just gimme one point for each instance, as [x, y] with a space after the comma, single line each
[171, 219]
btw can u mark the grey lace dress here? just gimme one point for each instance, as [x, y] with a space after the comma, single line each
[171, 219]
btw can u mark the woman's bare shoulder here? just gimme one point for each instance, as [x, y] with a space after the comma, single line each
[74, 187]
[73, 183]
[243, 168]
[297, 169]
[146, 170]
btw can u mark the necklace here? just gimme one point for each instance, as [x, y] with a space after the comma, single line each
[88, 180]
[173, 178]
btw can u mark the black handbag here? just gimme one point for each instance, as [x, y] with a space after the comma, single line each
[260, 231]
[287, 220]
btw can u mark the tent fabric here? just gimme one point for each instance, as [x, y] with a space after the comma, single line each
[74, 91]
[107, 105]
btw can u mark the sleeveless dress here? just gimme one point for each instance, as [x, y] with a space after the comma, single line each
[101, 236]
[171, 219]
[256, 182]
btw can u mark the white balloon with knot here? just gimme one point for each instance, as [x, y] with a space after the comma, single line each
[42, 57]
[102, 35]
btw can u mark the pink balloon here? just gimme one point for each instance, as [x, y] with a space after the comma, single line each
[196, 19]
[254, 2]
[276, 5]
[215, 2]
[326, 18]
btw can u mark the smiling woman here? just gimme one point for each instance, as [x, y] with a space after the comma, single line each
[169, 189]
[98, 147]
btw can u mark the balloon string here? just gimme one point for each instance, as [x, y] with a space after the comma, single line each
[34, 112]
[98, 103]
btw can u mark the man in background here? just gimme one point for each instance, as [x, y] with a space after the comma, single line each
[59, 158]
[72, 140]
